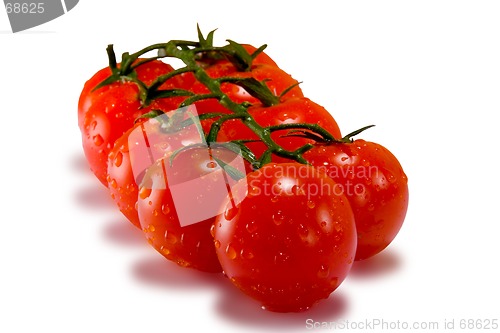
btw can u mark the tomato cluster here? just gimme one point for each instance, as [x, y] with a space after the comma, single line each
[286, 226]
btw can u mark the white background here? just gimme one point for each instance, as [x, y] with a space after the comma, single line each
[427, 73]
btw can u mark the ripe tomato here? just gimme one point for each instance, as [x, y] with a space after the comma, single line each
[106, 113]
[375, 184]
[261, 58]
[178, 202]
[147, 73]
[290, 111]
[134, 152]
[277, 82]
[290, 242]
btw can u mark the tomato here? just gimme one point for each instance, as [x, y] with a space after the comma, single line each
[289, 111]
[291, 241]
[134, 152]
[261, 58]
[147, 73]
[277, 82]
[375, 184]
[178, 201]
[106, 113]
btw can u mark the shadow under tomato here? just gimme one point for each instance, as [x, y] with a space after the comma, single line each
[157, 271]
[95, 196]
[79, 164]
[382, 263]
[122, 232]
[235, 306]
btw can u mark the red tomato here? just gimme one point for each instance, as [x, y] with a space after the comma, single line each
[277, 82]
[290, 242]
[134, 152]
[106, 113]
[261, 58]
[290, 111]
[174, 198]
[376, 186]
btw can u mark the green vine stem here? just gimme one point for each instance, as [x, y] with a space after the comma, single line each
[189, 53]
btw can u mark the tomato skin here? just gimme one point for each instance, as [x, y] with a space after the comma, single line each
[189, 245]
[122, 183]
[376, 186]
[147, 73]
[262, 58]
[106, 113]
[284, 245]
[290, 111]
[278, 81]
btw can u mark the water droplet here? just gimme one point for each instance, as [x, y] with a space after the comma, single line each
[323, 224]
[274, 199]
[112, 182]
[119, 115]
[254, 191]
[323, 271]
[371, 207]
[278, 217]
[311, 204]
[93, 124]
[230, 213]
[217, 244]
[155, 213]
[231, 252]
[98, 140]
[245, 254]
[251, 227]
[150, 228]
[144, 193]
[165, 250]
[118, 159]
[334, 282]
[165, 209]
[170, 237]
[211, 165]
[344, 158]
[295, 189]
[303, 231]
[212, 230]
[390, 177]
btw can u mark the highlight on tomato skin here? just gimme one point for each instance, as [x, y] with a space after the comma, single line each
[290, 242]
[376, 186]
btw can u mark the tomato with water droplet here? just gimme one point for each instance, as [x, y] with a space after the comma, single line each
[374, 182]
[269, 247]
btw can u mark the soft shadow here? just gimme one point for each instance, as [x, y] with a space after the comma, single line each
[383, 263]
[95, 196]
[235, 306]
[122, 232]
[79, 164]
[158, 271]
